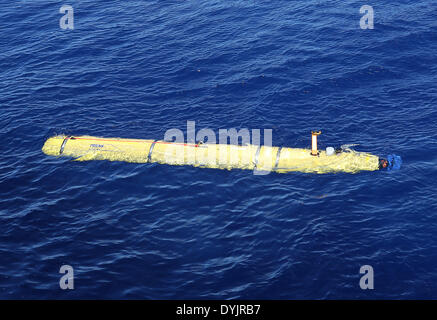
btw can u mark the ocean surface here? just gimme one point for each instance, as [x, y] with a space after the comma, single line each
[135, 69]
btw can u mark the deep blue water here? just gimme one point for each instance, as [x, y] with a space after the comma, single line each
[135, 69]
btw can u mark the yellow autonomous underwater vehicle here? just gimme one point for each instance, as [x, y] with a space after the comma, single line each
[261, 158]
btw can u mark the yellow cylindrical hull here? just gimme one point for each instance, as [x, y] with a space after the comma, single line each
[221, 156]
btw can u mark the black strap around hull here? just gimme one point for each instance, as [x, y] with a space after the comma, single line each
[63, 144]
[278, 155]
[255, 161]
[149, 156]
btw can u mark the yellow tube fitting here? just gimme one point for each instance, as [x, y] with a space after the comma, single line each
[314, 135]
